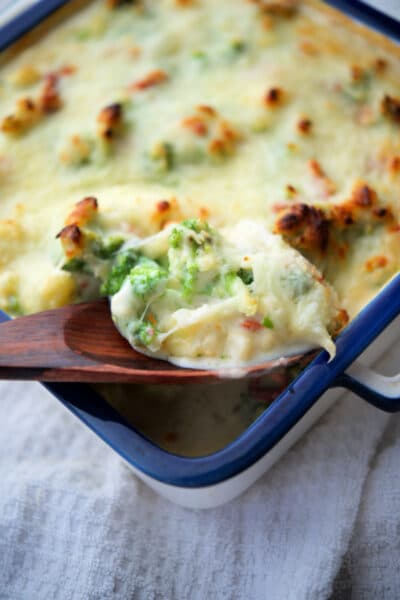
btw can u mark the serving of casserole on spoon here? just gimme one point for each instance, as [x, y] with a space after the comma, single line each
[227, 302]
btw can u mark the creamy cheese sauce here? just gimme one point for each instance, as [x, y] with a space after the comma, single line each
[220, 299]
[254, 115]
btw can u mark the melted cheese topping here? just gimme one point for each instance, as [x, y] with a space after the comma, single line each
[261, 109]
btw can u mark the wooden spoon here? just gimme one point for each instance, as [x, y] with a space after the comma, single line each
[80, 343]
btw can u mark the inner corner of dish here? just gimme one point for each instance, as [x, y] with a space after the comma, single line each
[195, 420]
[228, 175]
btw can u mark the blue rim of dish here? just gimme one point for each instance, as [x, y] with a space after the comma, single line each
[26, 20]
[369, 16]
[285, 411]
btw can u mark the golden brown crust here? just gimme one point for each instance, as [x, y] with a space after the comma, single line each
[304, 226]
[394, 165]
[225, 141]
[116, 3]
[163, 206]
[318, 173]
[221, 136]
[339, 322]
[207, 110]
[49, 98]
[361, 208]
[184, 3]
[390, 108]
[274, 97]
[83, 212]
[72, 240]
[109, 121]
[304, 125]
[380, 65]
[29, 111]
[26, 115]
[204, 213]
[312, 229]
[152, 79]
[165, 212]
[71, 236]
[357, 73]
[277, 8]
[291, 191]
[376, 262]
[196, 124]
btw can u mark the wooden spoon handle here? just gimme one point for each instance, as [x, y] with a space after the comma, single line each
[37, 346]
[78, 343]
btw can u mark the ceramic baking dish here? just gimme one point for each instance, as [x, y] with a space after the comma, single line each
[213, 479]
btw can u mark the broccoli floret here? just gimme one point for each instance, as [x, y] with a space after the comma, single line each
[124, 263]
[202, 241]
[246, 275]
[229, 279]
[176, 238]
[145, 333]
[106, 249]
[268, 323]
[162, 158]
[146, 276]
[196, 225]
[237, 47]
[192, 233]
[193, 224]
[190, 276]
[76, 265]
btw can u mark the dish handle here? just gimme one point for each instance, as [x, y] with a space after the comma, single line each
[379, 390]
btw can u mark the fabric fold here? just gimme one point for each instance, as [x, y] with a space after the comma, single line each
[70, 511]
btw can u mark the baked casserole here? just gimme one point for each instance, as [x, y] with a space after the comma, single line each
[258, 147]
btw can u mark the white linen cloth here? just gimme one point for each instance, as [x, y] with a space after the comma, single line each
[76, 525]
